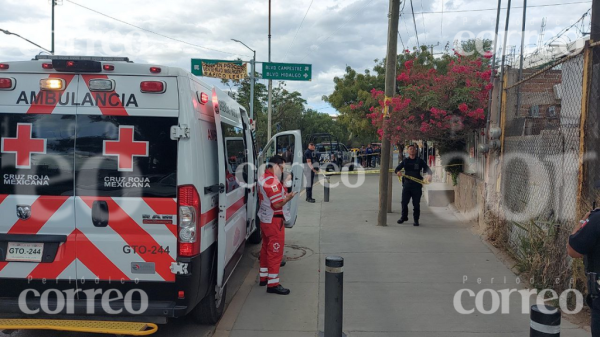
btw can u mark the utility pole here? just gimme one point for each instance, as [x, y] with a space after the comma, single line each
[252, 83]
[501, 92]
[270, 108]
[252, 77]
[494, 50]
[595, 36]
[390, 90]
[52, 48]
[521, 56]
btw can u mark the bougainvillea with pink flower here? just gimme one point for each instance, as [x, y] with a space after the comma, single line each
[432, 105]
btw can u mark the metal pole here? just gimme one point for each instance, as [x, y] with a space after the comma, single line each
[334, 296]
[545, 321]
[270, 82]
[521, 56]
[493, 65]
[326, 189]
[52, 49]
[390, 90]
[595, 36]
[504, 56]
[252, 80]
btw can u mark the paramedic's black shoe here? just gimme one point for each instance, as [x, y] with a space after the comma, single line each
[312, 201]
[416, 223]
[279, 290]
[262, 283]
[283, 263]
[402, 220]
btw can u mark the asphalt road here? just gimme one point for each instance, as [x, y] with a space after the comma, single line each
[183, 327]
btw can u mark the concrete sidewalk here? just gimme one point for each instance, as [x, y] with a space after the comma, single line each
[399, 280]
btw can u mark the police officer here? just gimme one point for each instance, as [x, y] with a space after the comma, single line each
[274, 209]
[585, 242]
[310, 170]
[411, 189]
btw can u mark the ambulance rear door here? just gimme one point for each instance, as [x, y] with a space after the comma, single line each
[287, 144]
[126, 179]
[232, 151]
[37, 213]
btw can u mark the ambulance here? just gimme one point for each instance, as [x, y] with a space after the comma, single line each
[128, 190]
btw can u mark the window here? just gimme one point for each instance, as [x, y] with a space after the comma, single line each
[236, 156]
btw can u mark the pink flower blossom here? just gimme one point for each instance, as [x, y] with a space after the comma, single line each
[463, 107]
[403, 77]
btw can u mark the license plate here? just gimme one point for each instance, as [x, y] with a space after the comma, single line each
[24, 251]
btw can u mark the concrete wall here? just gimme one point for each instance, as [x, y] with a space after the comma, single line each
[470, 198]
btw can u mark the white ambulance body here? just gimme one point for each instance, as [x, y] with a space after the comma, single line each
[124, 176]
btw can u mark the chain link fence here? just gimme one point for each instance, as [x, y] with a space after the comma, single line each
[540, 165]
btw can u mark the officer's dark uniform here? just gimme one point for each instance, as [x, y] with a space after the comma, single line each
[587, 242]
[412, 189]
[308, 173]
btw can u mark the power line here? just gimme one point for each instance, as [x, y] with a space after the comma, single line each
[152, 32]
[415, 23]
[368, 2]
[495, 9]
[297, 30]
[403, 47]
[442, 21]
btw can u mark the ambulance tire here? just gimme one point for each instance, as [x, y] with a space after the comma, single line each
[207, 312]
[256, 237]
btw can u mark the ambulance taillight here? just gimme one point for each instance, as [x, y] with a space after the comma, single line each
[188, 215]
[154, 87]
[47, 66]
[7, 83]
[4, 66]
[203, 98]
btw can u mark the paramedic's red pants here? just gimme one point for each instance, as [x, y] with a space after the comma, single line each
[271, 254]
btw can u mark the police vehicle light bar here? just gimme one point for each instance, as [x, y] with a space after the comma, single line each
[52, 84]
[102, 85]
[7, 83]
[82, 58]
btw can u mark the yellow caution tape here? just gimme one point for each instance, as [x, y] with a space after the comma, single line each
[422, 182]
[105, 327]
[326, 174]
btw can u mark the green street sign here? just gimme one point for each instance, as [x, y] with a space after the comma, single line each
[197, 65]
[287, 71]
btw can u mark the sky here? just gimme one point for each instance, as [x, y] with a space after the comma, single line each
[329, 34]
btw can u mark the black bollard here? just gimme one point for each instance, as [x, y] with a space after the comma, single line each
[334, 296]
[544, 324]
[326, 188]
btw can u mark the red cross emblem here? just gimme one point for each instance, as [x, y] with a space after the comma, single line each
[125, 148]
[24, 145]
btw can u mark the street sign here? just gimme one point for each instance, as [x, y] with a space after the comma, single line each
[198, 71]
[287, 71]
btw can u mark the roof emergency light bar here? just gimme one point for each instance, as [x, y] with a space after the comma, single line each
[83, 58]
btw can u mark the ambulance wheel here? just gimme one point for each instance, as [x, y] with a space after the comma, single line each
[255, 238]
[208, 312]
